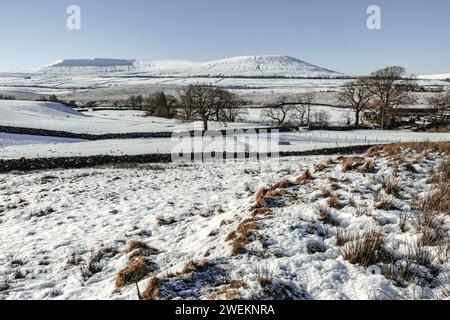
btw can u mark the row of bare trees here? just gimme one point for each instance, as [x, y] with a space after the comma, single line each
[382, 93]
[440, 108]
[292, 110]
[207, 103]
[194, 103]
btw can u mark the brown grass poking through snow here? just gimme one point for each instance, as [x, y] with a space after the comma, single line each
[432, 228]
[437, 201]
[261, 206]
[387, 204]
[367, 251]
[193, 266]
[319, 167]
[367, 167]
[345, 236]
[136, 270]
[390, 186]
[304, 178]
[283, 184]
[350, 163]
[246, 226]
[324, 193]
[399, 148]
[335, 202]
[152, 291]
[325, 216]
[238, 245]
[133, 245]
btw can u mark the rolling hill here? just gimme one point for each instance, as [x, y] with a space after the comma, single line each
[247, 66]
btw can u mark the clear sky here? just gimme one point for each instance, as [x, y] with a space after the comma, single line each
[329, 33]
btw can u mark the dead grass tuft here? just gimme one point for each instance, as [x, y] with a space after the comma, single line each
[327, 217]
[320, 167]
[400, 148]
[345, 236]
[136, 270]
[283, 184]
[437, 201]
[367, 251]
[134, 245]
[161, 221]
[151, 291]
[246, 226]
[304, 178]
[350, 163]
[387, 204]
[238, 246]
[193, 266]
[367, 167]
[335, 202]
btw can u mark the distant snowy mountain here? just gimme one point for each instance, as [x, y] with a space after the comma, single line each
[99, 63]
[444, 76]
[248, 66]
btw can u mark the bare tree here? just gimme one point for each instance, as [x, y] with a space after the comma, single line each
[160, 105]
[301, 110]
[199, 101]
[347, 117]
[228, 107]
[391, 89]
[279, 114]
[440, 107]
[135, 102]
[321, 118]
[357, 95]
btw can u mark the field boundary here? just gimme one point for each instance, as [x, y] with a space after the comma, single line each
[34, 164]
[112, 136]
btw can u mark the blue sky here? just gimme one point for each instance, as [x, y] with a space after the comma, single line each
[329, 33]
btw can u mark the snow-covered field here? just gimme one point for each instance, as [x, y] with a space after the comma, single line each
[54, 116]
[262, 143]
[65, 234]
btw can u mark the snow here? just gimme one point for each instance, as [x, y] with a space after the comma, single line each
[100, 208]
[444, 76]
[55, 116]
[7, 139]
[246, 66]
[299, 141]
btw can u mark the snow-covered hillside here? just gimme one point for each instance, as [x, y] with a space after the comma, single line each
[247, 66]
[57, 117]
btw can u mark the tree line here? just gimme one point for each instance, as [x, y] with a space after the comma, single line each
[384, 92]
[6, 97]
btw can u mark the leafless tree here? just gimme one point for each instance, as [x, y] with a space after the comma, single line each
[301, 111]
[390, 88]
[279, 115]
[440, 107]
[357, 95]
[228, 107]
[321, 118]
[160, 105]
[135, 102]
[347, 117]
[208, 103]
